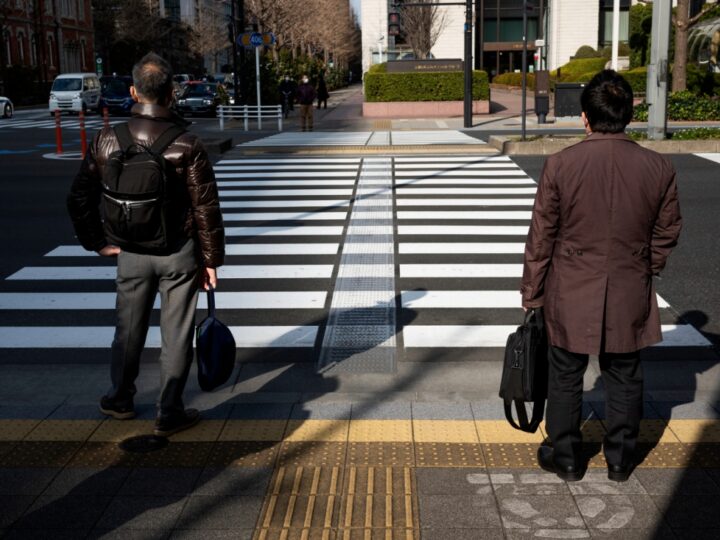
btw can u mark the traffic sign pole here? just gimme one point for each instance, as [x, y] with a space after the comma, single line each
[257, 80]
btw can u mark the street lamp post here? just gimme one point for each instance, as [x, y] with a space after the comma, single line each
[467, 105]
[524, 68]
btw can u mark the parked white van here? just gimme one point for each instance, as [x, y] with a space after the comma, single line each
[74, 92]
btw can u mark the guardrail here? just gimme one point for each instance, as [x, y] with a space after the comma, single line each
[250, 112]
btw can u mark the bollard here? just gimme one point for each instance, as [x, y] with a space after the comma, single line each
[106, 117]
[58, 133]
[83, 134]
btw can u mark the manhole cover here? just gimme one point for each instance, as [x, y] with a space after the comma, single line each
[143, 444]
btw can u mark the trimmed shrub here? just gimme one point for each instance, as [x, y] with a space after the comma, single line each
[586, 51]
[685, 106]
[696, 133]
[515, 79]
[381, 87]
[637, 78]
[581, 66]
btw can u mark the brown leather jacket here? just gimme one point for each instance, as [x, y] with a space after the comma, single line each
[186, 154]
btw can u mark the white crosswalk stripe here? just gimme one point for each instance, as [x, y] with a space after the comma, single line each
[455, 246]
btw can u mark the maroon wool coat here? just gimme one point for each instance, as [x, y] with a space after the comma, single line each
[605, 219]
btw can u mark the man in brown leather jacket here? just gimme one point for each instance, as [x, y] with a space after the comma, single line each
[177, 272]
[605, 219]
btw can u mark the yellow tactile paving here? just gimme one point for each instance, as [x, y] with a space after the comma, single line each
[205, 431]
[449, 431]
[63, 430]
[253, 430]
[499, 431]
[449, 455]
[592, 430]
[656, 431]
[243, 454]
[119, 430]
[16, 430]
[382, 454]
[380, 431]
[317, 430]
[696, 431]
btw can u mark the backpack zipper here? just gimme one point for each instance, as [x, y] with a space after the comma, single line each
[128, 205]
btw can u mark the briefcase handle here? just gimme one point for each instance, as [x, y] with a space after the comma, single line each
[211, 301]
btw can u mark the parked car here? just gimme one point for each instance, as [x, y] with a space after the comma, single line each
[115, 95]
[199, 97]
[6, 107]
[183, 78]
[74, 92]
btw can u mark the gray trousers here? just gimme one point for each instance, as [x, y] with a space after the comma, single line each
[139, 279]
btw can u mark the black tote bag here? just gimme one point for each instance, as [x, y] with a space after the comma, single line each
[214, 349]
[525, 372]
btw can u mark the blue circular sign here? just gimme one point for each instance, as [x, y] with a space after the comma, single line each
[256, 39]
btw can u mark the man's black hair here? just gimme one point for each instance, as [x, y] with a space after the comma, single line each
[607, 102]
[153, 78]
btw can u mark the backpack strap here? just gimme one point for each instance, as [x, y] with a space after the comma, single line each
[165, 139]
[122, 132]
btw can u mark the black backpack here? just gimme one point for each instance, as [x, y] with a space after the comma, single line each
[140, 211]
[525, 372]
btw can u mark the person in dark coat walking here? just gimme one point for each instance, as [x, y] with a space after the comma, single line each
[322, 91]
[306, 97]
[605, 219]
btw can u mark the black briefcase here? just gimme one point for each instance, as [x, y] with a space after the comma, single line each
[214, 349]
[524, 376]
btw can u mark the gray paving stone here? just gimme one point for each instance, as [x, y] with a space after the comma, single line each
[461, 534]
[679, 410]
[596, 482]
[233, 481]
[129, 534]
[43, 534]
[441, 411]
[670, 482]
[381, 410]
[662, 532]
[697, 534]
[77, 412]
[238, 512]
[463, 511]
[714, 474]
[539, 512]
[212, 412]
[77, 512]
[619, 511]
[690, 511]
[452, 481]
[260, 411]
[137, 512]
[12, 507]
[489, 409]
[84, 481]
[321, 411]
[560, 534]
[211, 534]
[37, 411]
[598, 407]
[26, 481]
[160, 482]
[512, 482]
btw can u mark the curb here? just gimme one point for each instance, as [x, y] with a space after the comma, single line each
[547, 146]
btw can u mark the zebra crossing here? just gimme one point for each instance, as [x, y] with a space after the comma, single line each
[366, 138]
[322, 248]
[67, 123]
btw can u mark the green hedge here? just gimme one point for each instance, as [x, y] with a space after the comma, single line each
[381, 87]
[515, 79]
[685, 106]
[579, 67]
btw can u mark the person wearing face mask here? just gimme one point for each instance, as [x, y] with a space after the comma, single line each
[306, 97]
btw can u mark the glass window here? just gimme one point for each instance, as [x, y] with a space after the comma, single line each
[67, 85]
[608, 26]
[510, 30]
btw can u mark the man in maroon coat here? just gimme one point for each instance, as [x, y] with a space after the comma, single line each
[605, 219]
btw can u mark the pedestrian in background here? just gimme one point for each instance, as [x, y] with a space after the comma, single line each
[322, 92]
[605, 219]
[306, 98]
[194, 249]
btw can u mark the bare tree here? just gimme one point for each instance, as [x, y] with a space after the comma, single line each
[683, 23]
[209, 36]
[422, 25]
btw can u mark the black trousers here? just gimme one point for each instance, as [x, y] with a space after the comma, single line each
[622, 376]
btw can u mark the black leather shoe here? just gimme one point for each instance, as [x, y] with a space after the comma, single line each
[116, 409]
[167, 425]
[567, 473]
[619, 473]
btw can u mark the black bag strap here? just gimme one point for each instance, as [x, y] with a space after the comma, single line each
[166, 138]
[522, 422]
[211, 302]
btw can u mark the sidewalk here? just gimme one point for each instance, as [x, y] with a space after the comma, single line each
[284, 452]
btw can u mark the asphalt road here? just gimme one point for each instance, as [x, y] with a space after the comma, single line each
[33, 218]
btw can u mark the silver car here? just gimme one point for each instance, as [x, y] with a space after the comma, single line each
[6, 107]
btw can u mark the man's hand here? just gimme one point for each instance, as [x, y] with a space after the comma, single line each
[208, 278]
[109, 251]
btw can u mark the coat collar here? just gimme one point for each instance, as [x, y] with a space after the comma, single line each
[608, 136]
[151, 111]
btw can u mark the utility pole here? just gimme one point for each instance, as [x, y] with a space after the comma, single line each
[233, 36]
[657, 73]
[524, 68]
[467, 116]
[615, 34]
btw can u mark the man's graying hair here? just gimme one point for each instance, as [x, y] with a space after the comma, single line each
[153, 78]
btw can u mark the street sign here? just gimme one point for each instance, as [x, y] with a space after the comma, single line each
[98, 66]
[256, 39]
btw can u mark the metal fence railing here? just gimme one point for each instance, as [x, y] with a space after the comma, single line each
[250, 112]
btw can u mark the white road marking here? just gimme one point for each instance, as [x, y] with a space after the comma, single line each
[284, 231]
[461, 270]
[224, 193]
[453, 230]
[462, 202]
[230, 249]
[446, 248]
[286, 216]
[448, 215]
[465, 191]
[276, 203]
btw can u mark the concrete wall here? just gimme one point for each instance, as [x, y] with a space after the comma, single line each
[450, 43]
[374, 17]
[571, 24]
